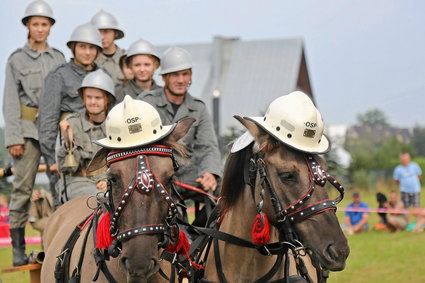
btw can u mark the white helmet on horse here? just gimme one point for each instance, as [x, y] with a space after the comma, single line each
[295, 121]
[133, 123]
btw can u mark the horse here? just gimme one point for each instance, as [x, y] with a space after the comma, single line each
[272, 184]
[141, 210]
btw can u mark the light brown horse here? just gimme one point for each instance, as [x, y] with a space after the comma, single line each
[146, 206]
[289, 183]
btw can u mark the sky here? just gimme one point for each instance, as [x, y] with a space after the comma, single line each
[361, 55]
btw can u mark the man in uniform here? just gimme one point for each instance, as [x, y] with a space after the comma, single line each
[25, 72]
[143, 60]
[109, 58]
[60, 96]
[97, 91]
[174, 102]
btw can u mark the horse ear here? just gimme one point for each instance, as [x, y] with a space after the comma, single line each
[98, 161]
[259, 134]
[181, 129]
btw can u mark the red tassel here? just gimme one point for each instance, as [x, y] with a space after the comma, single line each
[182, 248]
[261, 229]
[103, 235]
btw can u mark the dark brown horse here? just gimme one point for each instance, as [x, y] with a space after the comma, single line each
[287, 187]
[141, 206]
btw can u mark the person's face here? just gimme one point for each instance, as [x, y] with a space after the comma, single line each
[85, 53]
[405, 159]
[142, 67]
[356, 199]
[178, 82]
[108, 37]
[95, 100]
[39, 28]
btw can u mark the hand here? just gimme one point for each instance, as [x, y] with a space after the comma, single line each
[66, 131]
[207, 181]
[101, 185]
[54, 168]
[16, 150]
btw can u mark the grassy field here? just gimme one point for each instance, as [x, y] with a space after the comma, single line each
[376, 256]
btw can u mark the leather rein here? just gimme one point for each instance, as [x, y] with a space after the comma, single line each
[286, 217]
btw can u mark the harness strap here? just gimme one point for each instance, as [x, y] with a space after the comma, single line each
[62, 264]
[76, 272]
[311, 210]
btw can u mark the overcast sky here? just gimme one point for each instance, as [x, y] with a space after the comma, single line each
[361, 54]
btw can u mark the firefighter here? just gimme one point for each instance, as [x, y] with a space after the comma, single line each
[26, 69]
[143, 60]
[110, 31]
[61, 96]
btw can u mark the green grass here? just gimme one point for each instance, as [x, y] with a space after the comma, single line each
[6, 260]
[375, 256]
[381, 256]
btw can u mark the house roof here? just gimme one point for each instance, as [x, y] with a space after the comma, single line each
[248, 74]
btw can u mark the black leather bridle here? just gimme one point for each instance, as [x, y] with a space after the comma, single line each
[286, 217]
[144, 182]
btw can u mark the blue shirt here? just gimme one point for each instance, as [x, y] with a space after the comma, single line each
[356, 216]
[408, 177]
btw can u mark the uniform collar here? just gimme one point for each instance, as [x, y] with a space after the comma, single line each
[86, 124]
[116, 57]
[34, 53]
[187, 102]
[138, 89]
[80, 70]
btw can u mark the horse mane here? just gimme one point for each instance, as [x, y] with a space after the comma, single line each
[176, 146]
[233, 182]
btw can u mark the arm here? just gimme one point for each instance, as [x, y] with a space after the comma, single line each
[359, 226]
[348, 221]
[207, 146]
[11, 109]
[49, 113]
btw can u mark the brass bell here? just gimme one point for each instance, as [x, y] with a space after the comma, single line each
[70, 164]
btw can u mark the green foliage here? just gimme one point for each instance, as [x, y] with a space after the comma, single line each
[372, 118]
[374, 153]
[418, 140]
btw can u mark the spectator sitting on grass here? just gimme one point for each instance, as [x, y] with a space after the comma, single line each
[382, 201]
[396, 221]
[356, 221]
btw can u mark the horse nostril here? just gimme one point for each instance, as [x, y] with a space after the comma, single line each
[155, 265]
[333, 252]
[124, 263]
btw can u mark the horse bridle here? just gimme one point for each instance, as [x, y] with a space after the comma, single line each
[291, 214]
[318, 176]
[144, 182]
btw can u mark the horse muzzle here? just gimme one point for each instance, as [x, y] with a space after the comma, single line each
[333, 257]
[142, 271]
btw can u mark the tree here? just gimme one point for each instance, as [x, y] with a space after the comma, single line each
[418, 140]
[372, 118]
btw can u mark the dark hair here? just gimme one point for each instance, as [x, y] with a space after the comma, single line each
[380, 197]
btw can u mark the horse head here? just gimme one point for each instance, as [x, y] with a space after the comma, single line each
[140, 201]
[288, 187]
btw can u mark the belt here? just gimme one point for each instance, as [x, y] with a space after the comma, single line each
[28, 113]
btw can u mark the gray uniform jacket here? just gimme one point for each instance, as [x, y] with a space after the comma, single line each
[60, 96]
[132, 89]
[84, 133]
[200, 140]
[112, 65]
[24, 83]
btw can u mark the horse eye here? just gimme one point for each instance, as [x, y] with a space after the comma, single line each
[287, 176]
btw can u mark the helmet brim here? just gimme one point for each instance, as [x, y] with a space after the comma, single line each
[107, 143]
[323, 147]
